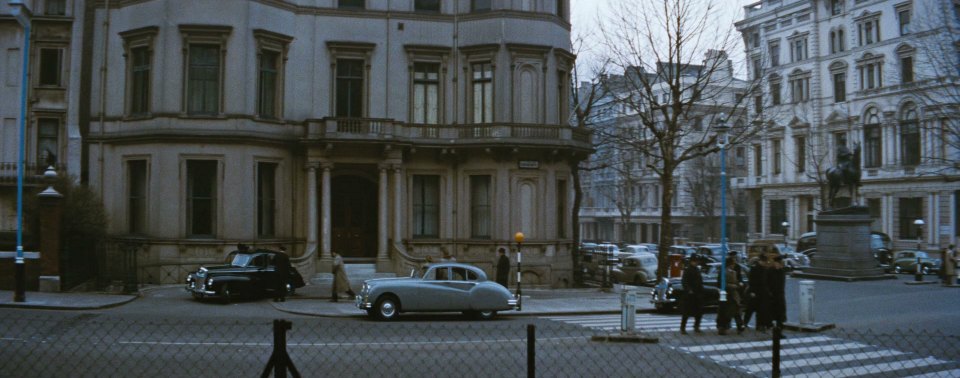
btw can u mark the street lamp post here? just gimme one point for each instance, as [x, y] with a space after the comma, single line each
[519, 239]
[22, 14]
[722, 129]
[786, 227]
[919, 273]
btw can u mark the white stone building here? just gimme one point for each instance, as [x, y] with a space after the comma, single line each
[881, 74]
[624, 184]
[385, 130]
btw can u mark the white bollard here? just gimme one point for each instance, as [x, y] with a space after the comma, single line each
[806, 302]
[628, 310]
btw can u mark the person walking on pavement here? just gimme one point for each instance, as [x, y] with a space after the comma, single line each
[281, 263]
[758, 294]
[692, 300]
[731, 308]
[503, 267]
[777, 282]
[447, 257]
[340, 280]
[949, 265]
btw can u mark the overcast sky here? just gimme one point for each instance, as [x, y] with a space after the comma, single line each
[584, 16]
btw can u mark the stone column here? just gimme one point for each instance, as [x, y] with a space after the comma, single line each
[326, 259]
[312, 220]
[397, 203]
[383, 256]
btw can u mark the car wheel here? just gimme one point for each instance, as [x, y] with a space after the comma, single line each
[897, 269]
[639, 280]
[227, 293]
[291, 290]
[486, 315]
[925, 270]
[387, 307]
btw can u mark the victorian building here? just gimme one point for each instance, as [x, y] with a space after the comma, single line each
[385, 130]
[879, 74]
[622, 194]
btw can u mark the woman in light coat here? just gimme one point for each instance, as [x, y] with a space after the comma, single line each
[340, 280]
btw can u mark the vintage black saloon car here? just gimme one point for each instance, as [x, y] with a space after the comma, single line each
[249, 273]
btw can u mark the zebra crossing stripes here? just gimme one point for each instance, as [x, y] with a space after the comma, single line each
[820, 356]
[644, 322]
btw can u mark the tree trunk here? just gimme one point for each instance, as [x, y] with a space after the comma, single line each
[666, 219]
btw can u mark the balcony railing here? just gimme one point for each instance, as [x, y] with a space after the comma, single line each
[32, 172]
[384, 129]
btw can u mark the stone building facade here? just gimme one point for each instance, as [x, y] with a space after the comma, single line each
[881, 74]
[386, 130]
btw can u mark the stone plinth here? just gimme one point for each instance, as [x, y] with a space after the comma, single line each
[843, 247]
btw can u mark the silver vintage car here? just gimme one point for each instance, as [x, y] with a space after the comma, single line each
[443, 287]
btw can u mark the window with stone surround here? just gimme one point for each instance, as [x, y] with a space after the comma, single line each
[480, 207]
[266, 199]
[202, 180]
[204, 55]
[138, 51]
[271, 72]
[909, 135]
[137, 185]
[426, 206]
[872, 139]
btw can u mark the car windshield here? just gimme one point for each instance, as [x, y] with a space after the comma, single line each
[877, 242]
[240, 260]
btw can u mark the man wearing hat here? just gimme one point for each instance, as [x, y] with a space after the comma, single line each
[692, 300]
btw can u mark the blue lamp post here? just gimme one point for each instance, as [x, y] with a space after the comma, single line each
[22, 14]
[722, 129]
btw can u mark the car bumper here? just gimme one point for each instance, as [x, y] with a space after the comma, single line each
[194, 287]
[362, 304]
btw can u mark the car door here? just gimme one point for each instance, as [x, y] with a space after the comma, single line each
[438, 292]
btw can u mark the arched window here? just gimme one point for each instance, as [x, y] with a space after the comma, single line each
[909, 135]
[872, 139]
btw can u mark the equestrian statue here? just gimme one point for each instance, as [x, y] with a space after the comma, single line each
[845, 173]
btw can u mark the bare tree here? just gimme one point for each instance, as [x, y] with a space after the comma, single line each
[701, 182]
[654, 43]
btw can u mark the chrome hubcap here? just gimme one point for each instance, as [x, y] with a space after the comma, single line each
[387, 309]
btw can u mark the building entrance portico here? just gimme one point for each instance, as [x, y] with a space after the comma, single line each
[354, 218]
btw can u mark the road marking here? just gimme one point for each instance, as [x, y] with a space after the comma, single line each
[753, 344]
[787, 352]
[874, 368]
[452, 342]
[787, 364]
[644, 322]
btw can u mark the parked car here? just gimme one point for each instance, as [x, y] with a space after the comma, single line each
[713, 252]
[880, 246]
[635, 248]
[443, 287]
[600, 258]
[667, 293]
[637, 269]
[906, 262]
[683, 250]
[249, 273]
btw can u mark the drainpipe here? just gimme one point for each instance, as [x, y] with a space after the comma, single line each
[103, 86]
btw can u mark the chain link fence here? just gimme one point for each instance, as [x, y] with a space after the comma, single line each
[71, 345]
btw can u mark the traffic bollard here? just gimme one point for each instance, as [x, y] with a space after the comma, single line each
[806, 302]
[918, 276]
[628, 311]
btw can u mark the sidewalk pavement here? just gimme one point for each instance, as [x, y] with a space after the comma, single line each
[314, 300]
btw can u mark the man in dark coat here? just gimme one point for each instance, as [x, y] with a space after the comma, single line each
[731, 308]
[758, 294]
[281, 263]
[777, 280]
[503, 267]
[692, 299]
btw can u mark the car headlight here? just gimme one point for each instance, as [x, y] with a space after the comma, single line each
[210, 281]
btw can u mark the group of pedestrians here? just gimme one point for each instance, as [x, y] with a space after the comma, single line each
[761, 294]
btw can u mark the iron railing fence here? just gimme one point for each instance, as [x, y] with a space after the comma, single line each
[97, 345]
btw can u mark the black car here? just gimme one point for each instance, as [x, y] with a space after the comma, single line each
[249, 273]
[667, 293]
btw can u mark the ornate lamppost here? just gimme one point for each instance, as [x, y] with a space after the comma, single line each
[786, 227]
[722, 129]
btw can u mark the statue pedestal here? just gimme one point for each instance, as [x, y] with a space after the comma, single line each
[843, 247]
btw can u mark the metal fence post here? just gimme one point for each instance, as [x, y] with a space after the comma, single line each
[531, 351]
[280, 361]
[776, 351]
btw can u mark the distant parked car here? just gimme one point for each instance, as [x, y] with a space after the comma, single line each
[249, 273]
[683, 250]
[635, 248]
[637, 269]
[906, 262]
[443, 287]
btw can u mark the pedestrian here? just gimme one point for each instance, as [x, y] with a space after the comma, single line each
[281, 264]
[446, 256]
[340, 280]
[949, 265]
[692, 299]
[503, 267]
[730, 308]
[956, 260]
[758, 294]
[777, 281]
